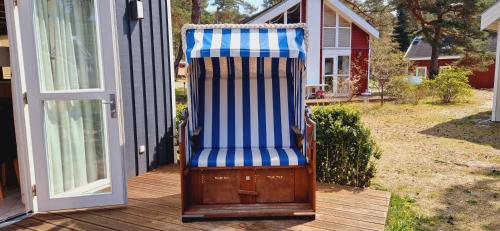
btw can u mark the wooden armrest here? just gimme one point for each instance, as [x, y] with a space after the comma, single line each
[197, 132]
[195, 138]
[298, 136]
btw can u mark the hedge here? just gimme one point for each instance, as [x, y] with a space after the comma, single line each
[345, 147]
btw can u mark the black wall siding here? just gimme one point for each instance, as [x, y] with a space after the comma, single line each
[146, 86]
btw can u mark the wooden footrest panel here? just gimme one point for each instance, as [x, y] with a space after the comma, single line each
[250, 210]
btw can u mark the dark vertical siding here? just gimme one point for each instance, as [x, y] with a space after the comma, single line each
[146, 86]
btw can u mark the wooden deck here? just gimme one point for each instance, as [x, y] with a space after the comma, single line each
[154, 204]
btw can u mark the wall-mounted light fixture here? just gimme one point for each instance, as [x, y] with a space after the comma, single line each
[137, 10]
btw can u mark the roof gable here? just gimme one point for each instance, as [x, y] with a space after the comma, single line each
[419, 49]
[340, 7]
[490, 17]
[355, 18]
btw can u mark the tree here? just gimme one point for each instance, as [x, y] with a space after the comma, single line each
[450, 24]
[387, 62]
[228, 11]
[269, 3]
[376, 12]
[403, 31]
[183, 13]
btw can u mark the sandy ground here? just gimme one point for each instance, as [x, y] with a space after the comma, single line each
[447, 157]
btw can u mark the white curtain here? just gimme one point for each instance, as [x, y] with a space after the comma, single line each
[68, 59]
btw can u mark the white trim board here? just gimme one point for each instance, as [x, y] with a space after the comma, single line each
[338, 6]
[440, 58]
[496, 96]
[346, 12]
[490, 18]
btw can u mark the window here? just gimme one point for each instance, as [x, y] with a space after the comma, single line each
[336, 30]
[293, 14]
[421, 72]
[328, 76]
[337, 75]
[278, 19]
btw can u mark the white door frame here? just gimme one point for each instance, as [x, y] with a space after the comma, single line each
[328, 54]
[21, 115]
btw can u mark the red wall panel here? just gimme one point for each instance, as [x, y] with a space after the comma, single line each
[360, 46]
[478, 79]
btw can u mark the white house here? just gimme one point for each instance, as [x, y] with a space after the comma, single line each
[490, 20]
[338, 41]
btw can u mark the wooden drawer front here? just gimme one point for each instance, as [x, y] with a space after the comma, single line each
[275, 185]
[220, 187]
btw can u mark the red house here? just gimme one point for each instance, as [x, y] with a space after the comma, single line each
[338, 43]
[420, 53]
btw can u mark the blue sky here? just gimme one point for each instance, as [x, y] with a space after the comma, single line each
[257, 3]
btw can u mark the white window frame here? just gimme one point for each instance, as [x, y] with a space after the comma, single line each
[336, 74]
[337, 28]
[285, 14]
[421, 67]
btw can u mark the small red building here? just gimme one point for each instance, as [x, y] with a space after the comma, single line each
[338, 43]
[420, 53]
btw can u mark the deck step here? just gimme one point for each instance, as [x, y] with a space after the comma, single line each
[250, 210]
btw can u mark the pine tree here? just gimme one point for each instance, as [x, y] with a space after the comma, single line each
[269, 3]
[453, 25]
[403, 33]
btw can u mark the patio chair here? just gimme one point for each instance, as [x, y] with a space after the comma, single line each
[247, 145]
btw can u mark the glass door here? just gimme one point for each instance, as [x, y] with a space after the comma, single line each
[69, 56]
[336, 74]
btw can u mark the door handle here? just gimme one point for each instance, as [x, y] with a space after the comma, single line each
[112, 105]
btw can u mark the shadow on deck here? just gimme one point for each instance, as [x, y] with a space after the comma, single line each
[154, 204]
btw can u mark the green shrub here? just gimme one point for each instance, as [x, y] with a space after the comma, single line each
[451, 85]
[179, 109]
[405, 92]
[181, 95]
[344, 147]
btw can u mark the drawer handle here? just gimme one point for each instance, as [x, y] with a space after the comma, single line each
[275, 177]
[246, 192]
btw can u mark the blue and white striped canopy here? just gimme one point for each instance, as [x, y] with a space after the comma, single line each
[247, 40]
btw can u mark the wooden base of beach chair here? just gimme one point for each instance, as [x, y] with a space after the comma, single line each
[268, 210]
[248, 192]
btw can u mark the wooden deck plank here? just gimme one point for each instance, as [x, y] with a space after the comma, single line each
[154, 204]
[66, 222]
[34, 224]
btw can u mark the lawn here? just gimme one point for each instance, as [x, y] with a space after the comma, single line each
[441, 162]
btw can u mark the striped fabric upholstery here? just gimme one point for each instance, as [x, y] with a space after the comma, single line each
[245, 157]
[246, 105]
[245, 92]
[203, 41]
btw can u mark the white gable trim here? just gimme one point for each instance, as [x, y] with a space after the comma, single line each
[346, 12]
[490, 18]
[274, 11]
[338, 6]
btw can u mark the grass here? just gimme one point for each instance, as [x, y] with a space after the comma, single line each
[181, 95]
[440, 162]
[402, 214]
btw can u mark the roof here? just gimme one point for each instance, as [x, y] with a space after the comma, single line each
[421, 50]
[270, 12]
[258, 14]
[244, 40]
[489, 19]
[346, 12]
